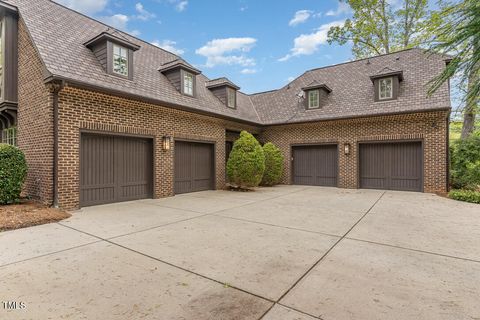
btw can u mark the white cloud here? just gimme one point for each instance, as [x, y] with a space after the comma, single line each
[248, 71]
[118, 21]
[300, 16]
[228, 51]
[307, 44]
[169, 45]
[143, 14]
[342, 8]
[290, 79]
[89, 7]
[181, 6]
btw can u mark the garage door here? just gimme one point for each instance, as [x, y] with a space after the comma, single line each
[315, 165]
[114, 169]
[391, 166]
[194, 167]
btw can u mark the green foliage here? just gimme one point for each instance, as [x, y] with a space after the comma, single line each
[378, 27]
[465, 162]
[273, 164]
[13, 170]
[465, 195]
[246, 164]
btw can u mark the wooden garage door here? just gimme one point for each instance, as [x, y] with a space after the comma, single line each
[114, 169]
[194, 167]
[391, 166]
[315, 165]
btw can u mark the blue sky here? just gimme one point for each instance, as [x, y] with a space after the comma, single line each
[259, 45]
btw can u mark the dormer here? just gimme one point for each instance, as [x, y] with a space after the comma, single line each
[386, 84]
[316, 94]
[114, 52]
[182, 75]
[224, 90]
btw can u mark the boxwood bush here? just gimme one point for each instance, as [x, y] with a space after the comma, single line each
[246, 163]
[273, 164]
[13, 170]
[465, 195]
[465, 163]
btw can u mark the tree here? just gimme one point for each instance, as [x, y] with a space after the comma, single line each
[246, 164]
[273, 164]
[459, 36]
[379, 28]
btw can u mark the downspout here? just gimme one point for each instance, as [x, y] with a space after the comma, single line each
[55, 88]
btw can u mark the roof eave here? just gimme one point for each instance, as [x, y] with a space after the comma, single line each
[399, 74]
[320, 86]
[104, 36]
[180, 66]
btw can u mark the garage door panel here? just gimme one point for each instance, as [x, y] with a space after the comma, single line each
[115, 169]
[315, 165]
[391, 166]
[194, 167]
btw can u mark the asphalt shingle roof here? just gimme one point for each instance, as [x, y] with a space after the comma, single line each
[60, 34]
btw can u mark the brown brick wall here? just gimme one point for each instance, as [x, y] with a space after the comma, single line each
[430, 127]
[35, 120]
[87, 110]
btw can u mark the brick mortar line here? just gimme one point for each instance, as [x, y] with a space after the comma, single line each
[414, 250]
[326, 253]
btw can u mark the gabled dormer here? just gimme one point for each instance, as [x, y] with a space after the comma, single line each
[386, 84]
[114, 52]
[224, 90]
[182, 75]
[316, 95]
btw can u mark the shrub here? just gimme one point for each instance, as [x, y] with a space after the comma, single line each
[465, 163]
[465, 195]
[273, 164]
[13, 170]
[246, 163]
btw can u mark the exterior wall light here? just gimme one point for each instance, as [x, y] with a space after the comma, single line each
[166, 143]
[346, 148]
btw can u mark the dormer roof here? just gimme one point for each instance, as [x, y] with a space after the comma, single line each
[221, 82]
[112, 36]
[387, 72]
[178, 64]
[316, 85]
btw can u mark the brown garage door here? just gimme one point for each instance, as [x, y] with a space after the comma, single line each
[391, 166]
[315, 165]
[194, 167]
[114, 169]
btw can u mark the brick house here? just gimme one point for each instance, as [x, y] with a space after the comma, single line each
[104, 117]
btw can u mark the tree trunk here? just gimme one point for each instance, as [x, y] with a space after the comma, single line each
[471, 107]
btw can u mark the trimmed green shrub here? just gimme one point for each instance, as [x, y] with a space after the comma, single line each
[13, 170]
[273, 164]
[465, 195]
[246, 163]
[465, 163]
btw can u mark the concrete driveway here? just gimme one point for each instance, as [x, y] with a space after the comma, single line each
[289, 252]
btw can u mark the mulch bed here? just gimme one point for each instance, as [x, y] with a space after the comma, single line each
[28, 213]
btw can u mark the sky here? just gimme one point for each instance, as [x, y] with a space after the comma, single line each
[259, 45]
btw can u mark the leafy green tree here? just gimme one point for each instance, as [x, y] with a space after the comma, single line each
[273, 164]
[378, 27]
[459, 36]
[246, 164]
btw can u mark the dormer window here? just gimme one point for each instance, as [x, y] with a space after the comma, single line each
[385, 88]
[182, 76]
[114, 53]
[316, 95]
[231, 98]
[120, 60]
[386, 84]
[224, 90]
[313, 99]
[188, 80]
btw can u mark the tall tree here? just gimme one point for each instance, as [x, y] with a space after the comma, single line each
[378, 27]
[459, 36]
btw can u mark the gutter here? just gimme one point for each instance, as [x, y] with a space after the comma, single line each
[55, 88]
